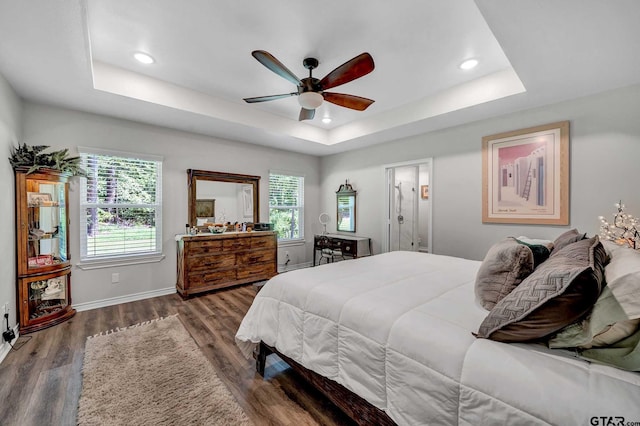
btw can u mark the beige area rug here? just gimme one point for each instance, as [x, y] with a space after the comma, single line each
[152, 374]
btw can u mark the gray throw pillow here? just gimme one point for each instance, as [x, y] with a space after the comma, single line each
[559, 292]
[567, 238]
[505, 265]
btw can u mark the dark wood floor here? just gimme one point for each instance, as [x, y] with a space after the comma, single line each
[40, 383]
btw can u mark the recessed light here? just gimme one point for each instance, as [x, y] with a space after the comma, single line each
[143, 58]
[326, 120]
[469, 64]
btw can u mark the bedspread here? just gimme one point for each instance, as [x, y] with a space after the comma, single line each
[396, 329]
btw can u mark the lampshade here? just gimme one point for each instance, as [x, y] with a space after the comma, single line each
[310, 100]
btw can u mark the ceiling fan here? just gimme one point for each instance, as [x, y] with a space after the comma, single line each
[311, 91]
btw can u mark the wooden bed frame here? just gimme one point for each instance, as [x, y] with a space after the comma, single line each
[354, 406]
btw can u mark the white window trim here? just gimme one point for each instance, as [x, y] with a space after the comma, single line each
[87, 265]
[130, 259]
[291, 241]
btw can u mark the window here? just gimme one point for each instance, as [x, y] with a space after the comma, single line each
[286, 205]
[120, 205]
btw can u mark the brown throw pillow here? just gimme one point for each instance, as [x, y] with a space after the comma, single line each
[506, 264]
[560, 291]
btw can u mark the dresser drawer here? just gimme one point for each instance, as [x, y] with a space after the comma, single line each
[263, 242]
[349, 247]
[259, 271]
[236, 244]
[255, 256]
[211, 262]
[210, 278]
[195, 248]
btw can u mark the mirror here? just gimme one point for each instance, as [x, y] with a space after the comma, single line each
[218, 197]
[346, 214]
[324, 219]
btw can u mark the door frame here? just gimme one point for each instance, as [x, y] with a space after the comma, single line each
[386, 216]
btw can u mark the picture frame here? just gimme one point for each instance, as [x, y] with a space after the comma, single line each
[424, 192]
[247, 201]
[525, 176]
[205, 208]
[40, 260]
[38, 199]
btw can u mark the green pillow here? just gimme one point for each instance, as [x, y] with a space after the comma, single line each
[606, 324]
[625, 354]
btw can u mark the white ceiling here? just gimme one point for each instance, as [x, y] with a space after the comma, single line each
[78, 54]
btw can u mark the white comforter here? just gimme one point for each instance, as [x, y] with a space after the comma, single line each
[396, 329]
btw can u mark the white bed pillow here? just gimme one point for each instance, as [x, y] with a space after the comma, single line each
[622, 275]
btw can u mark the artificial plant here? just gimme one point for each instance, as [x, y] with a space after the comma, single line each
[35, 159]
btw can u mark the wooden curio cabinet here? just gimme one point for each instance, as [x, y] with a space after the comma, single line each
[42, 242]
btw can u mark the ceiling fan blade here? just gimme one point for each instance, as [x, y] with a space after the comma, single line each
[269, 98]
[306, 114]
[269, 61]
[348, 101]
[350, 70]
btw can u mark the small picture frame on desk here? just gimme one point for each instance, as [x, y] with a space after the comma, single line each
[42, 260]
[36, 199]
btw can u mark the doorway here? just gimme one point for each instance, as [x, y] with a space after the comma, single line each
[407, 222]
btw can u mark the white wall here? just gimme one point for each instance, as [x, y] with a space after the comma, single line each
[605, 146]
[10, 130]
[60, 128]
[604, 153]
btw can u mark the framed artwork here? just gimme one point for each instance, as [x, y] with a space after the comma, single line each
[38, 199]
[41, 260]
[525, 176]
[424, 192]
[205, 208]
[247, 200]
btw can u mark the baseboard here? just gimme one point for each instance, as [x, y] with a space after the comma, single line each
[123, 299]
[287, 268]
[5, 348]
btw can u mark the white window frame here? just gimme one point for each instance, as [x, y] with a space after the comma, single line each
[95, 262]
[300, 206]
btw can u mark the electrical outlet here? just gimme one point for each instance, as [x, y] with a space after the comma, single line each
[8, 335]
[115, 278]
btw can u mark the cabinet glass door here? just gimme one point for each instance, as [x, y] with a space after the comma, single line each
[47, 220]
[46, 295]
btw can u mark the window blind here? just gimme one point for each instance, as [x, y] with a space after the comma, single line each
[120, 205]
[286, 205]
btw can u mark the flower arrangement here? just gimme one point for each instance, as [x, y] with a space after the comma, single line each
[623, 229]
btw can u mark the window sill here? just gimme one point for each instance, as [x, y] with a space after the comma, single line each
[291, 243]
[119, 261]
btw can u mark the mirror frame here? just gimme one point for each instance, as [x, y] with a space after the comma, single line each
[193, 176]
[345, 190]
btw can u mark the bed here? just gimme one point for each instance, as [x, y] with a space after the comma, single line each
[396, 331]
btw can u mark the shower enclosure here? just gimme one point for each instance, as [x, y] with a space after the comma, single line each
[408, 213]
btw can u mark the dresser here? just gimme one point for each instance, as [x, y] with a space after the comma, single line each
[214, 261]
[346, 245]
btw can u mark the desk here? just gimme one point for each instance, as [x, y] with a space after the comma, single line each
[350, 246]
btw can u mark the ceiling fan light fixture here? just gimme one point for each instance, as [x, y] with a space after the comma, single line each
[310, 100]
[144, 58]
[469, 64]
